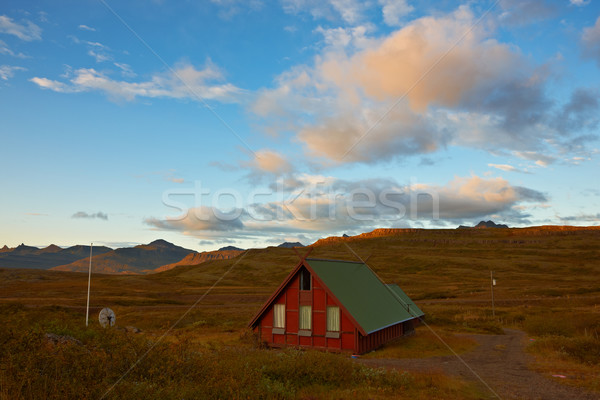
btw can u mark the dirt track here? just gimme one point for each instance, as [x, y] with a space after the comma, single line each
[501, 362]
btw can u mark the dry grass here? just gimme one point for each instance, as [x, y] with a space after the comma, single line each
[424, 344]
[91, 360]
[547, 285]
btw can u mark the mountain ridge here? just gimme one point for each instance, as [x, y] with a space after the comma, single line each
[130, 260]
[290, 245]
[484, 225]
[49, 257]
[160, 255]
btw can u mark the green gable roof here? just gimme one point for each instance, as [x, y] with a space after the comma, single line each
[372, 304]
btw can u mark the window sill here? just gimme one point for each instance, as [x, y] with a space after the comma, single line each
[332, 335]
[278, 331]
[304, 333]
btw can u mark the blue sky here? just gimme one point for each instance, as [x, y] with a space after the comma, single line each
[250, 123]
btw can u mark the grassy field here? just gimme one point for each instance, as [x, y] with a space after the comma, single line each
[547, 279]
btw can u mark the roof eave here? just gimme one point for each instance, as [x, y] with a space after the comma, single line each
[396, 323]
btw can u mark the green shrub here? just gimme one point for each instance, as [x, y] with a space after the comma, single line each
[581, 349]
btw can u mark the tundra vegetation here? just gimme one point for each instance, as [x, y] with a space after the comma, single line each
[547, 286]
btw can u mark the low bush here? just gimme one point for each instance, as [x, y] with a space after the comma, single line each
[580, 349]
[548, 325]
[92, 363]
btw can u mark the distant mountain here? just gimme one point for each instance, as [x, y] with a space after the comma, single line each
[199, 258]
[484, 225]
[50, 249]
[131, 260]
[291, 244]
[31, 257]
[23, 249]
[230, 248]
[5, 249]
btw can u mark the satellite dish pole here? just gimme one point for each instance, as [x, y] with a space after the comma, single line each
[87, 308]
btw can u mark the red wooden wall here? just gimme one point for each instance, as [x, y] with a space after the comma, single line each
[317, 297]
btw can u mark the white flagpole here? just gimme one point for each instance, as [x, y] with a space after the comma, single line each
[87, 308]
[492, 286]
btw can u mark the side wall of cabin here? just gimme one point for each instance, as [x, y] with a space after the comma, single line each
[381, 337]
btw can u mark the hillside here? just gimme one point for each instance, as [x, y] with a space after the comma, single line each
[543, 274]
[130, 260]
[199, 258]
[427, 264]
[32, 257]
[447, 235]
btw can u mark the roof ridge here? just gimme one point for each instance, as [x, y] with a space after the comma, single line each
[334, 260]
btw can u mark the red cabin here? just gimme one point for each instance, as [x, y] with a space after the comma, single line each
[337, 306]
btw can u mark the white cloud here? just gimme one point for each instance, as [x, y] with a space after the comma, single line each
[541, 160]
[8, 71]
[85, 215]
[96, 44]
[125, 70]
[43, 16]
[394, 10]
[200, 221]
[579, 3]
[99, 56]
[230, 8]
[27, 30]
[350, 11]
[53, 85]
[508, 168]
[581, 218]
[435, 82]
[4, 49]
[314, 206]
[450, 48]
[268, 161]
[86, 28]
[183, 82]
[340, 38]
[590, 41]
[520, 12]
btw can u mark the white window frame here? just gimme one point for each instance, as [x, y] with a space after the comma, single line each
[305, 318]
[279, 316]
[333, 312]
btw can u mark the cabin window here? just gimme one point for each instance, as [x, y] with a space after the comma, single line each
[279, 316]
[305, 322]
[304, 279]
[333, 319]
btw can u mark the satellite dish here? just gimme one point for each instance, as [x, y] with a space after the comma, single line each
[107, 317]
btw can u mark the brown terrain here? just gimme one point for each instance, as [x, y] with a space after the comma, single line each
[547, 290]
[199, 258]
[499, 365]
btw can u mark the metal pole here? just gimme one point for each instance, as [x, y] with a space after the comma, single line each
[492, 286]
[87, 308]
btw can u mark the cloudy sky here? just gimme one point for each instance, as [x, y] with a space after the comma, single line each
[249, 123]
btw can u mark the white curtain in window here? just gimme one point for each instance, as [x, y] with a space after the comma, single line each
[279, 316]
[305, 322]
[333, 319]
